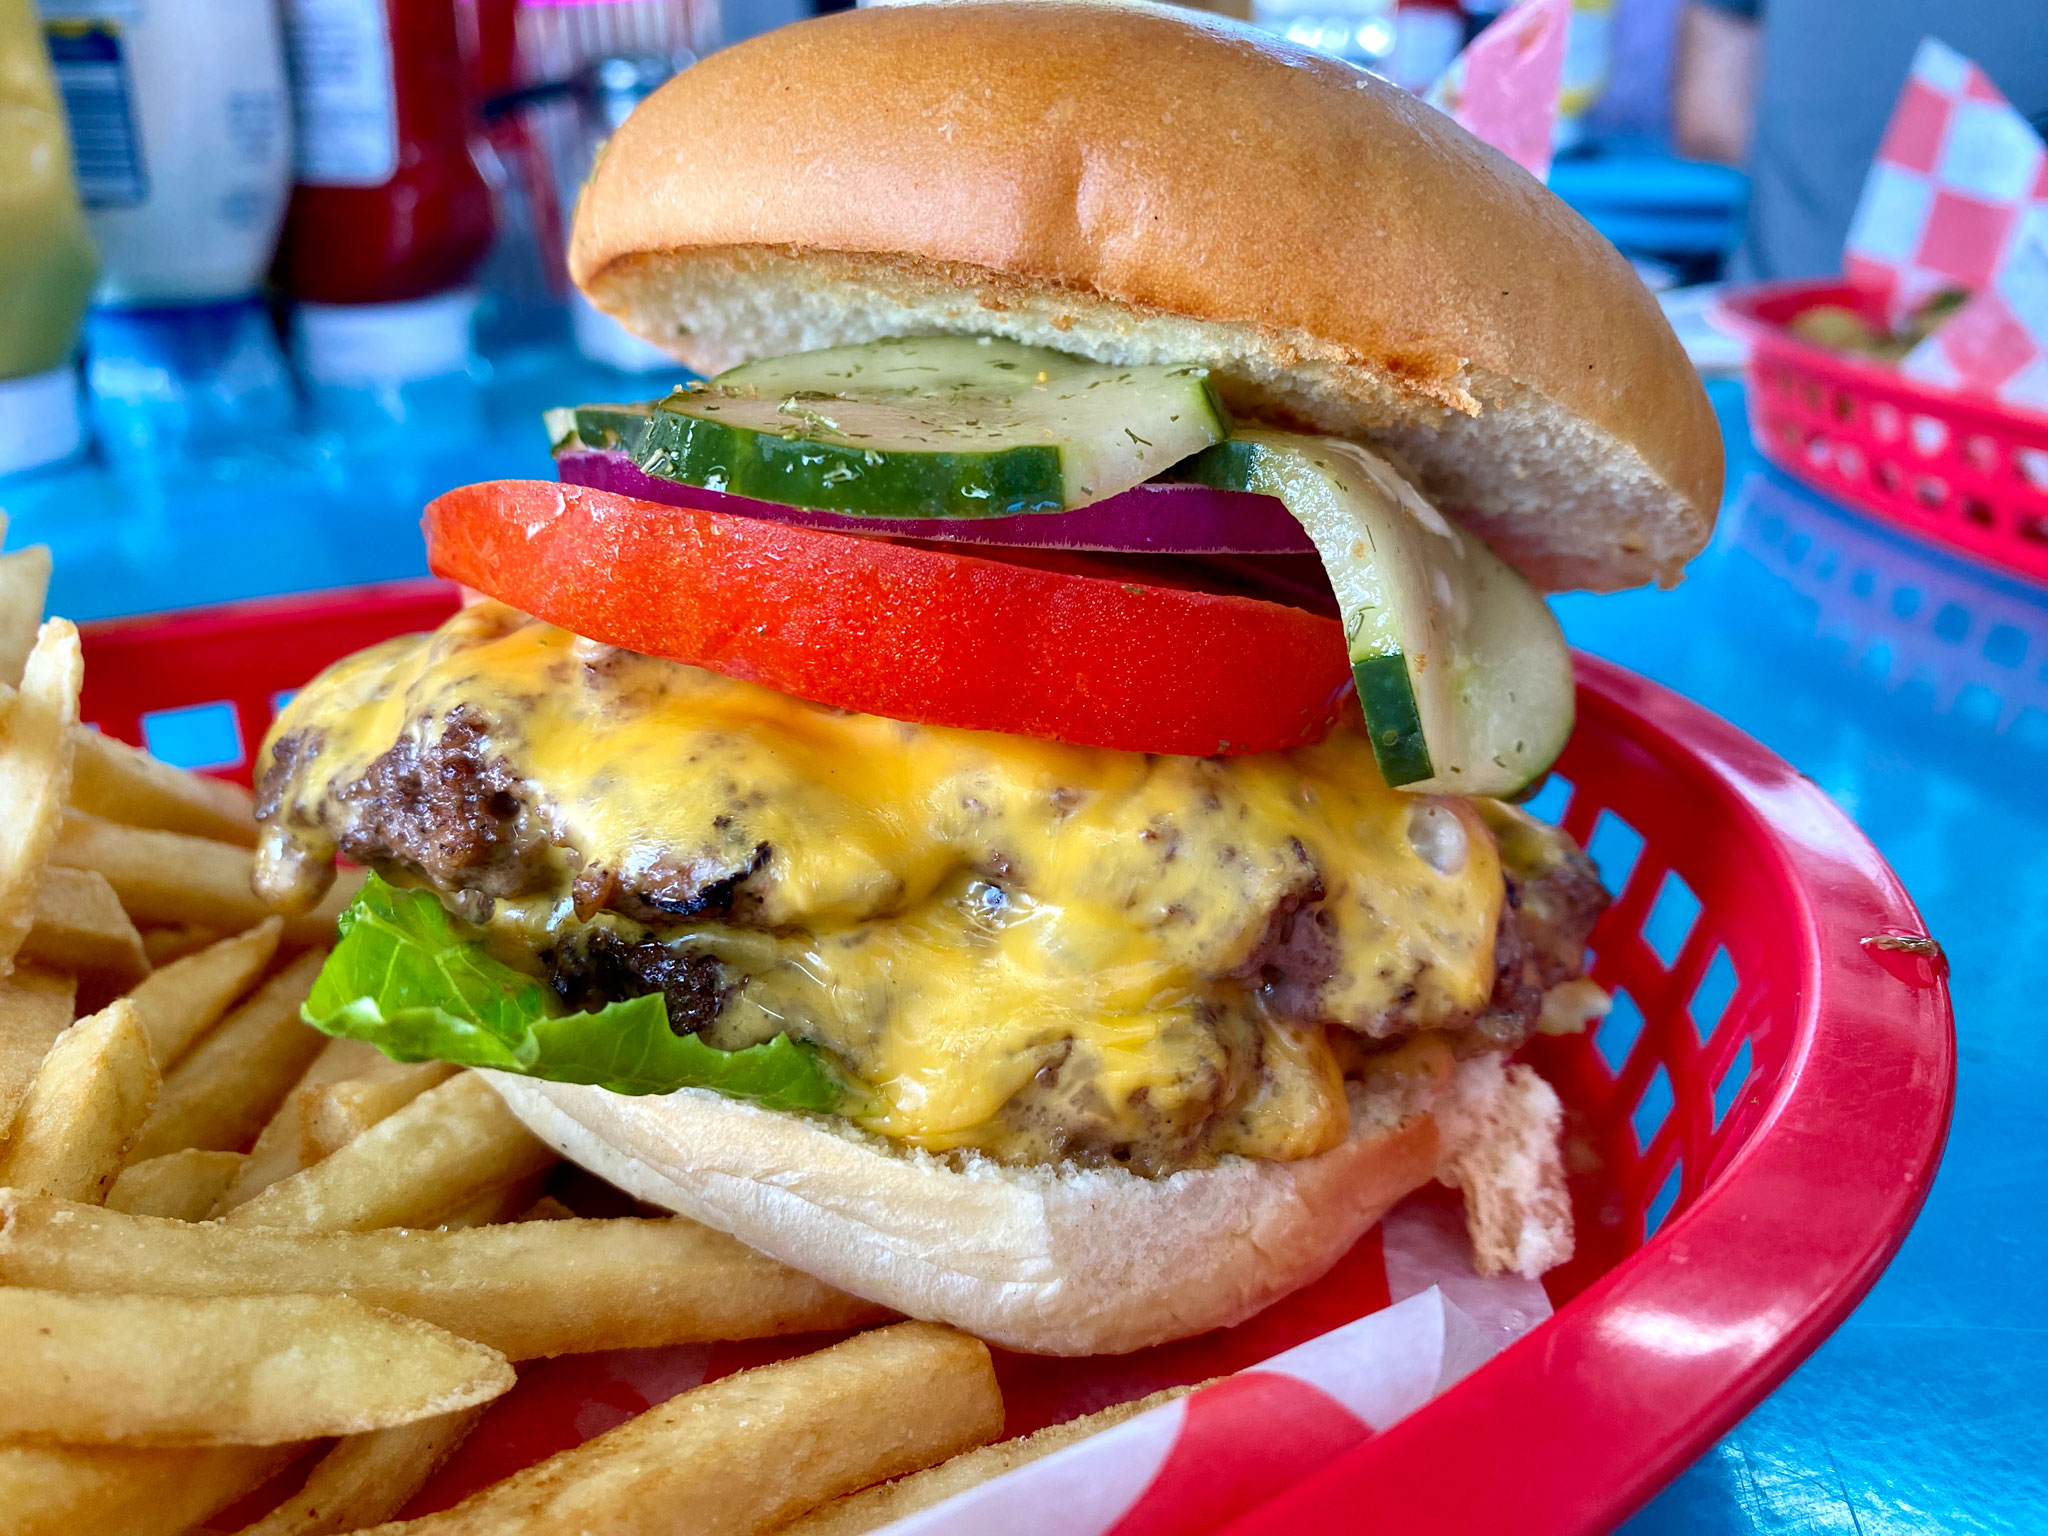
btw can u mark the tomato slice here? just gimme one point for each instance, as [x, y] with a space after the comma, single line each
[913, 633]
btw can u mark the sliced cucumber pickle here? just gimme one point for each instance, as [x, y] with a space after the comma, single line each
[597, 426]
[940, 426]
[1463, 674]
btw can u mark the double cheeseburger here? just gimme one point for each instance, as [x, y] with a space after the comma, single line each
[1002, 796]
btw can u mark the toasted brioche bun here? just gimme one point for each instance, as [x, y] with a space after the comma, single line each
[1136, 184]
[1074, 1261]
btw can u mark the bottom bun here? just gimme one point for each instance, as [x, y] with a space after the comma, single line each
[1074, 1261]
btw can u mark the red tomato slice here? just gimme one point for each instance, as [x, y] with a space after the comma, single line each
[913, 633]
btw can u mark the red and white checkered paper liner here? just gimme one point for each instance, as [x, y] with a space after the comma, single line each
[1503, 88]
[1943, 204]
[1400, 1317]
[1997, 344]
[1193, 1465]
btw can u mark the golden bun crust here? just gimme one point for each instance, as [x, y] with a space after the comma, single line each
[1074, 1261]
[1138, 184]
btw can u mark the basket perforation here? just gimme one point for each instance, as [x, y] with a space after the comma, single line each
[1712, 993]
[1655, 950]
[1672, 920]
[1663, 1202]
[1689, 1056]
[1656, 1131]
[1730, 1081]
[1707, 1061]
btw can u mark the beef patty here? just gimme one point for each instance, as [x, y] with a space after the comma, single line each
[1035, 950]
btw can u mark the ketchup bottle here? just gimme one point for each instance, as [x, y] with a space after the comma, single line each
[389, 207]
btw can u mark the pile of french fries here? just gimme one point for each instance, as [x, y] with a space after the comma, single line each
[236, 1255]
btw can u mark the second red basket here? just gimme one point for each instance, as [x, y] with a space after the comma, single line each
[1959, 470]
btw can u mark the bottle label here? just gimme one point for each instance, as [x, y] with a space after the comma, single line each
[99, 99]
[344, 104]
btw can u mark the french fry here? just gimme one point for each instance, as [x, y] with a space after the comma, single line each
[241, 1370]
[35, 1008]
[90, 1098]
[166, 942]
[80, 927]
[446, 1148]
[349, 1088]
[163, 877]
[317, 926]
[282, 1147]
[219, 1096]
[505, 1203]
[872, 1508]
[172, 877]
[367, 1478]
[35, 774]
[746, 1453]
[65, 1490]
[68, 1490]
[187, 997]
[24, 584]
[117, 782]
[184, 1186]
[342, 1060]
[340, 1112]
[527, 1289]
[546, 1208]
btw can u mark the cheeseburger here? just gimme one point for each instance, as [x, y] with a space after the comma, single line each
[1002, 796]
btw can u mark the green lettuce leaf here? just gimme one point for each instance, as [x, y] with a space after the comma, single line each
[404, 979]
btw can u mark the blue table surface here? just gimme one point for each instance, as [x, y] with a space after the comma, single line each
[1913, 687]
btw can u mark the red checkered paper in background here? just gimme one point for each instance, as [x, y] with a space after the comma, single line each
[1997, 344]
[1503, 88]
[1943, 203]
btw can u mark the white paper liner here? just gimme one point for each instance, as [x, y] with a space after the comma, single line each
[1169, 1470]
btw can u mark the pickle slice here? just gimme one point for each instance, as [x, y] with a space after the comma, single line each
[1463, 674]
[596, 426]
[940, 426]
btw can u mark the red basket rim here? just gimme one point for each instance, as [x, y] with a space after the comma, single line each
[1742, 310]
[1638, 1374]
[1634, 1378]
[215, 620]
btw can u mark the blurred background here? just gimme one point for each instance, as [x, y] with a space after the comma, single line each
[310, 223]
[273, 273]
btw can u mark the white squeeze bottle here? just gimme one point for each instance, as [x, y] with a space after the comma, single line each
[181, 120]
[182, 126]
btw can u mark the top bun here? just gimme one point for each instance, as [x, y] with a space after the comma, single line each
[1138, 184]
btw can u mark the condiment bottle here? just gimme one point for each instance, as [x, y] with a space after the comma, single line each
[180, 116]
[390, 216]
[46, 257]
[181, 122]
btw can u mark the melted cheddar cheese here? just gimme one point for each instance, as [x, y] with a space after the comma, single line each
[1001, 938]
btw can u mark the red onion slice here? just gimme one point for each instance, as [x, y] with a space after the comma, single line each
[1148, 519]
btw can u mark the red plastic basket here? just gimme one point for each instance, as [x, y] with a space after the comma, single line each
[1753, 1128]
[1960, 470]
